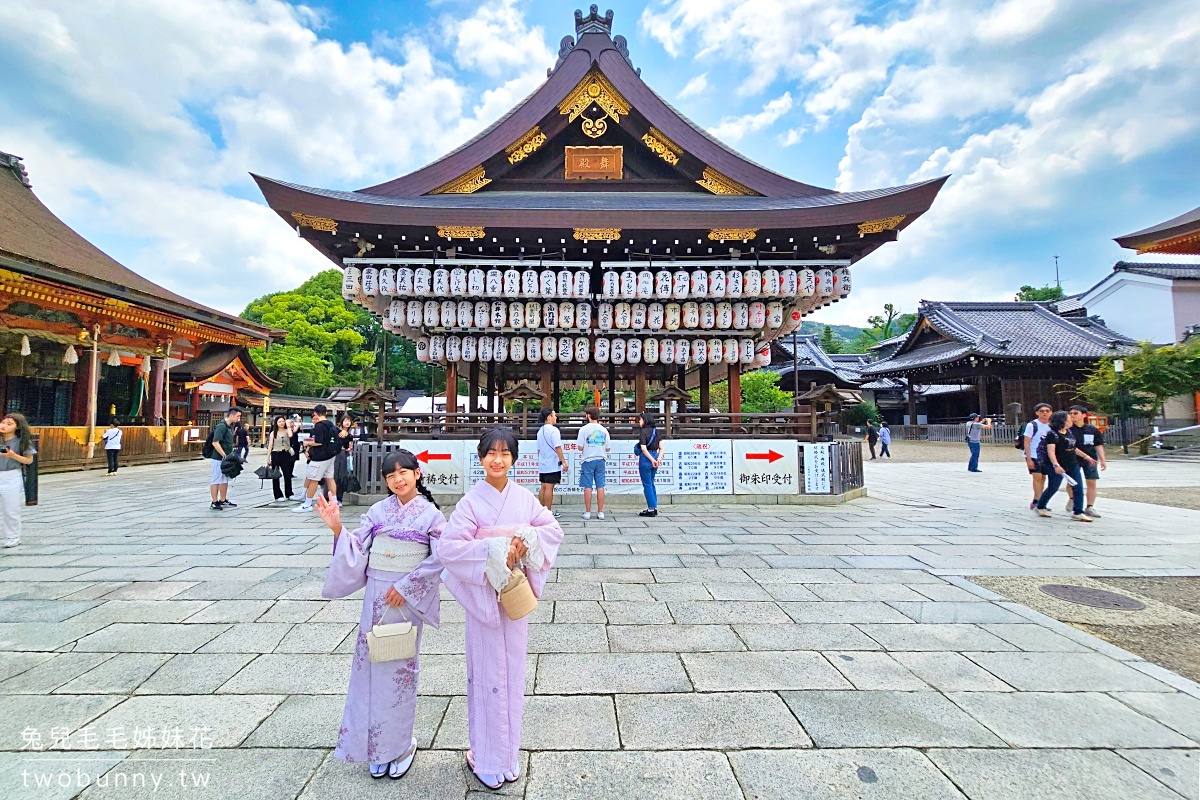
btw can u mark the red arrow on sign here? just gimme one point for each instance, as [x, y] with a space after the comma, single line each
[770, 456]
[427, 456]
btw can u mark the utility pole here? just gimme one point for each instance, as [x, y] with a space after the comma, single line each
[1057, 282]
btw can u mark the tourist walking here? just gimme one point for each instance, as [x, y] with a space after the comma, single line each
[321, 448]
[393, 557]
[1035, 430]
[551, 461]
[1090, 442]
[975, 430]
[872, 438]
[281, 456]
[499, 539]
[593, 439]
[241, 440]
[650, 453]
[1061, 462]
[112, 445]
[293, 424]
[16, 453]
[219, 446]
[344, 460]
[885, 439]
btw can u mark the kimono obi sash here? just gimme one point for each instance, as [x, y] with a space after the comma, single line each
[390, 554]
[493, 531]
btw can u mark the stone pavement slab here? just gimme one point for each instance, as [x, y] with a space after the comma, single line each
[631, 775]
[722, 721]
[840, 774]
[886, 719]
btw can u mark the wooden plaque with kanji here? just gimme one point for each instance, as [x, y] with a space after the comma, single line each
[595, 163]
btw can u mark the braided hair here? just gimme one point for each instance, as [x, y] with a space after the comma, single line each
[403, 459]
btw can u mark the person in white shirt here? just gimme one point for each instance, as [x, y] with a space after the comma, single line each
[1035, 431]
[594, 439]
[112, 445]
[551, 461]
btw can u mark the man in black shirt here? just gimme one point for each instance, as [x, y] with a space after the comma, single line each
[1090, 442]
[322, 449]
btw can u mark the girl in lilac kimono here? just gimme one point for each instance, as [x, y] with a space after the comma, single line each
[497, 526]
[393, 554]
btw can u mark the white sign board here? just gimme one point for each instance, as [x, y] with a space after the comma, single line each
[816, 468]
[700, 466]
[766, 466]
[442, 464]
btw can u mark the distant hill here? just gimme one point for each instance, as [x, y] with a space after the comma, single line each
[845, 332]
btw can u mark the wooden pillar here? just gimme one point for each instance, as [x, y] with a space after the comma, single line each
[81, 390]
[93, 391]
[451, 390]
[499, 388]
[157, 373]
[705, 390]
[556, 391]
[912, 401]
[194, 404]
[473, 387]
[612, 388]
[491, 388]
[981, 393]
[547, 383]
[639, 386]
[735, 389]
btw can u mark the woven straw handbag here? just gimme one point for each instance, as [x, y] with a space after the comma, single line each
[517, 596]
[394, 642]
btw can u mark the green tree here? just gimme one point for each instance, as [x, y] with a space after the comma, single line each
[301, 370]
[881, 326]
[862, 413]
[761, 393]
[830, 341]
[1150, 377]
[1040, 294]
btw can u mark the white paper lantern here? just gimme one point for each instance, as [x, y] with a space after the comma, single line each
[512, 282]
[550, 315]
[621, 316]
[547, 283]
[637, 316]
[673, 316]
[483, 313]
[414, 313]
[533, 314]
[645, 284]
[583, 283]
[746, 348]
[469, 351]
[683, 351]
[731, 351]
[485, 348]
[453, 349]
[775, 315]
[716, 283]
[715, 351]
[533, 349]
[448, 314]
[666, 351]
[500, 349]
[422, 348]
[650, 350]
[437, 348]
[441, 282]
[370, 282]
[789, 282]
[566, 283]
[699, 351]
[633, 351]
[350, 282]
[751, 283]
[395, 315]
[628, 284]
[466, 313]
[611, 284]
[741, 316]
[404, 281]
[680, 284]
[422, 281]
[708, 316]
[758, 314]
[601, 350]
[654, 316]
[529, 284]
[583, 316]
[762, 356]
[734, 280]
[583, 347]
[566, 315]
[549, 349]
[700, 283]
[724, 315]
[566, 349]
[662, 285]
[516, 348]
[791, 321]
[458, 281]
[433, 313]
[605, 317]
[691, 315]
[387, 282]
[617, 351]
[841, 282]
[516, 314]
[770, 279]
[494, 282]
[476, 282]
[824, 286]
[498, 314]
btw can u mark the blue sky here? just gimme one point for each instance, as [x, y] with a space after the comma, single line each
[1064, 123]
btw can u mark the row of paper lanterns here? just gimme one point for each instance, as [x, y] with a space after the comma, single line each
[581, 349]
[413, 315]
[627, 284]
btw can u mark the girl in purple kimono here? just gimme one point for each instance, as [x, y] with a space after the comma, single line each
[393, 554]
[497, 526]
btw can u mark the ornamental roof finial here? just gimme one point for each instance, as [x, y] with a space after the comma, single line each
[593, 22]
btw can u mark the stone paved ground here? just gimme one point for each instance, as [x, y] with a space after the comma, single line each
[716, 652]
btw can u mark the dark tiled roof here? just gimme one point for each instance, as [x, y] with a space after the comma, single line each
[1182, 225]
[1015, 330]
[809, 355]
[1173, 272]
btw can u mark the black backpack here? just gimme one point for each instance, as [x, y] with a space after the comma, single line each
[208, 451]
[1020, 441]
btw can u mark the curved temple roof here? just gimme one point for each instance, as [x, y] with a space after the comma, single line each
[1180, 236]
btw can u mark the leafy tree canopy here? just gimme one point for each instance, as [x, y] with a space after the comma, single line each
[830, 341]
[881, 326]
[1040, 294]
[1148, 379]
[760, 394]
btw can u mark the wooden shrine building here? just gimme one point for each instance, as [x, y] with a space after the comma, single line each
[85, 339]
[1177, 236]
[593, 235]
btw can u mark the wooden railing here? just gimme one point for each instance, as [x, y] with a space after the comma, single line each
[63, 448]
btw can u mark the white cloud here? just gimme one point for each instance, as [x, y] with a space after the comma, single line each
[696, 86]
[735, 128]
